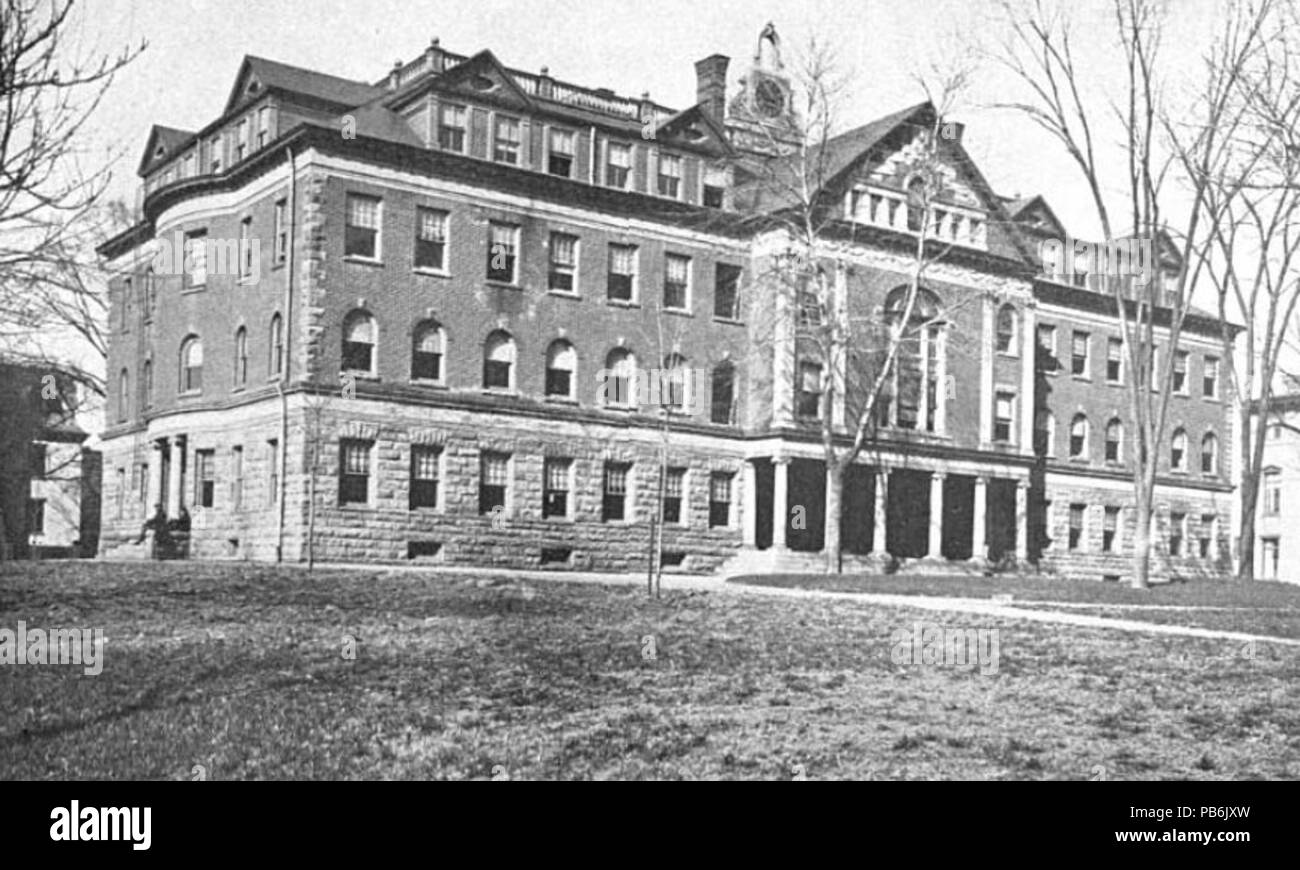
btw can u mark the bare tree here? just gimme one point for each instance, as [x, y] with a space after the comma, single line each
[52, 209]
[857, 355]
[1155, 150]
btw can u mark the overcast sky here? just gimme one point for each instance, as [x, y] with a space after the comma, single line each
[631, 46]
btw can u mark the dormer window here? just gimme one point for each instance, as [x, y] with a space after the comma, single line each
[670, 175]
[506, 141]
[560, 161]
[715, 187]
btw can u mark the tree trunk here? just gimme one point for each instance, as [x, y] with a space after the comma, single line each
[1142, 541]
[834, 503]
[1246, 543]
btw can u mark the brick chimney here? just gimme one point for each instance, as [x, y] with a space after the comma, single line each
[711, 84]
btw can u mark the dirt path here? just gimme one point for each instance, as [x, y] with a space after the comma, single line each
[982, 606]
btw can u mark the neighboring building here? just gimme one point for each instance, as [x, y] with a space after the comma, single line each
[1277, 547]
[463, 267]
[49, 482]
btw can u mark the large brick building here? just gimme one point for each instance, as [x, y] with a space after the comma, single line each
[459, 268]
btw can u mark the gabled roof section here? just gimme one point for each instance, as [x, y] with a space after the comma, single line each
[1033, 215]
[483, 76]
[162, 143]
[694, 128]
[257, 75]
[376, 121]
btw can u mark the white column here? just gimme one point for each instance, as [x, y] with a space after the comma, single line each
[153, 493]
[936, 515]
[783, 373]
[986, 375]
[1029, 343]
[878, 539]
[175, 483]
[1022, 520]
[780, 495]
[979, 523]
[749, 522]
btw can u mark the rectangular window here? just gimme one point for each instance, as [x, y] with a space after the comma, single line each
[810, 390]
[236, 477]
[622, 273]
[560, 160]
[564, 263]
[614, 503]
[1109, 526]
[430, 239]
[361, 232]
[196, 258]
[714, 187]
[1114, 360]
[36, 516]
[354, 471]
[1076, 526]
[120, 495]
[1206, 535]
[214, 155]
[246, 249]
[670, 175]
[677, 277]
[426, 355]
[503, 251]
[1271, 550]
[674, 486]
[1180, 372]
[726, 291]
[424, 476]
[127, 295]
[281, 231]
[1079, 354]
[1272, 494]
[556, 474]
[451, 128]
[1003, 415]
[505, 141]
[1177, 524]
[241, 140]
[263, 126]
[1047, 348]
[719, 499]
[618, 171]
[1210, 378]
[272, 472]
[494, 482]
[205, 478]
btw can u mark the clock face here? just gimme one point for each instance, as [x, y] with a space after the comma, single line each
[769, 98]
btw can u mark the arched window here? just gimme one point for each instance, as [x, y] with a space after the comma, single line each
[499, 361]
[915, 392]
[276, 363]
[1079, 437]
[123, 395]
[191, 365]
[241, 357]
[1209, 454]
[723, 394]
[619, 379]
[1006, 329]
[1114, 441]
[426, 351]
[1178, 451]
[359, 339]
[147, 376]
[675, 384]
[561, 369]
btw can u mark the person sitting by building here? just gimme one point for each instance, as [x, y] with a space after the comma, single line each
[162, 537]
[182, 521]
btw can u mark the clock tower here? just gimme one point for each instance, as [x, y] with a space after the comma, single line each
[761, 116]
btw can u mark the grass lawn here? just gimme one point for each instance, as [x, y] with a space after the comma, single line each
[241, 671]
